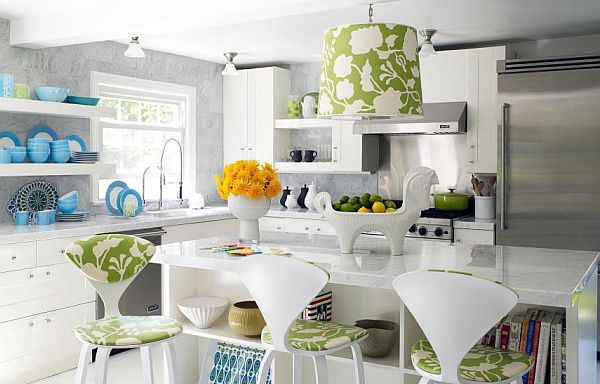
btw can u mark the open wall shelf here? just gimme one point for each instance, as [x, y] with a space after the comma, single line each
[36, 107]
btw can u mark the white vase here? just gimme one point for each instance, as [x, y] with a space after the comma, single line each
[248, 211]
[310, 197]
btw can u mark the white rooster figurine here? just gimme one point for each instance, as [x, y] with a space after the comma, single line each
[349, 225]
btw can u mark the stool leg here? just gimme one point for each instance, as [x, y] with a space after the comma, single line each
[101, 368]
[265, 364]
[82, 365]
[147, 365]
[297, 369]
[169, 348]
[424, 380]
[359, 368]
[321, 369]
[206, 364]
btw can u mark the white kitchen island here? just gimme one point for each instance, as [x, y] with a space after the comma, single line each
[558, 280]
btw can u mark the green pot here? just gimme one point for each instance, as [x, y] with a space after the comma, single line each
[451, 201]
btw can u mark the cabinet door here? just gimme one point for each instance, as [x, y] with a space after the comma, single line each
[17, 256]
[235, 117]
[53, 251]
[272, 224]
[444, 77]
[336, 144]
[256, 90]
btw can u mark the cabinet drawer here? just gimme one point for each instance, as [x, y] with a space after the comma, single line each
[473, 236]
[53, 251]
[30, 291]
[185, 232]
[43, 345]
[272, 224]
[298, 225]
[322, 227]
[17, 256]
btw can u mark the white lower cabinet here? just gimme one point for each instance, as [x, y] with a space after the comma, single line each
[473, 236]
[38, 346]
[291, 225]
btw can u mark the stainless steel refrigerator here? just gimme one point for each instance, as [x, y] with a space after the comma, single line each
[549, 153]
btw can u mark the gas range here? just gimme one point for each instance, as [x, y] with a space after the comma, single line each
[435, 224]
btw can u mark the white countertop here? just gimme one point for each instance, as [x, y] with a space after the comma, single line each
[10, 233]
[540, 276]
[474, 223]
[299, 213]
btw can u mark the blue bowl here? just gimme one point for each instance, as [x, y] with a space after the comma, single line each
[60, 157]
[67, 206]
[69, 197]
[34, 140]
[17, 157]
[60, 142]
[55, 94]
[18, 149]
[38, 157]
[40, 146]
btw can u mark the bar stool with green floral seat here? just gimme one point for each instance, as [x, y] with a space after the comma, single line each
[110, 263]
[282, 287]
[454, 310]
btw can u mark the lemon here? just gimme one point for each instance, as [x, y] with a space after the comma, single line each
[378, 207]
[364, 210]
[390, 210]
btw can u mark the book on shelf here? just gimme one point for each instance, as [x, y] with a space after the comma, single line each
[504, 334]
[535, 346]
[524, 329]
[556, 349]
[515, 332]
[541, 363]
[529, 341]
[563, 349]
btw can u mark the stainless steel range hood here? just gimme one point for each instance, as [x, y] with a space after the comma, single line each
[438, 118]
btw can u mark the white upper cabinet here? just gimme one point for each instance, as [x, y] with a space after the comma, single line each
[468, 75]
[252, 100]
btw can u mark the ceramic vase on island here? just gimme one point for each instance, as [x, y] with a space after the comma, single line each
[248, 186]
[248, 211]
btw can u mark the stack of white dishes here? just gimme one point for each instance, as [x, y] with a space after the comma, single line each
[85, 157]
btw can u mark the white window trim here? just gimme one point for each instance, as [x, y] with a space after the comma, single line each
[185, 92]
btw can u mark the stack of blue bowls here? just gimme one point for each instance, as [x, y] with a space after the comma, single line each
[17, 154]
[38, 150]
[60, 151]
[68, 202]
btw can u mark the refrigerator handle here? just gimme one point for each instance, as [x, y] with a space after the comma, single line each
[503, 225]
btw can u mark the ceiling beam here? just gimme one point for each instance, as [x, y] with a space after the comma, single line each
[120, 20]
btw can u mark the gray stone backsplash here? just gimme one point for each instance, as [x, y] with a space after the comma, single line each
[70, 67]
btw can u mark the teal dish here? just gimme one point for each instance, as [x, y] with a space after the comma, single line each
[93, 101]
[54, 94]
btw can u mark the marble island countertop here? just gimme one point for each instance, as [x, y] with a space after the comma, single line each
[10, 233]
[540, 276]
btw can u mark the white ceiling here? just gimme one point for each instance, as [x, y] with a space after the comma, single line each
[284, 31]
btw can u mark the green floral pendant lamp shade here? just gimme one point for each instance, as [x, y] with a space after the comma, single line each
[370, 70]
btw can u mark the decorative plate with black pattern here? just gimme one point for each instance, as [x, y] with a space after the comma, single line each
[35, 196]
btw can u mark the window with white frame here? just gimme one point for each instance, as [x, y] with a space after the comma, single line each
[148, 113]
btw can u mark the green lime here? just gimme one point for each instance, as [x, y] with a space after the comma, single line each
[347, 207]
[390, 204]
[337, 206]
[375, 198]
[344, 199]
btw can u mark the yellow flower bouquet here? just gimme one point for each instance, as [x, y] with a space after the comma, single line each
[248, 178]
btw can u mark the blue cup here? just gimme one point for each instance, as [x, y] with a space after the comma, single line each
[5, 156]
[45, 217]
[21, 218]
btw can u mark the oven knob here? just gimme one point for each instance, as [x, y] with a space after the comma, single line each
[438, 232]
[422, 231]
[412, 229]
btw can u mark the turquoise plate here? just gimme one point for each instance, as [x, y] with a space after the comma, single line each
[82, 100]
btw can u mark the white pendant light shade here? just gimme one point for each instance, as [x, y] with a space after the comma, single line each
[229, 69]
[135, 50]
[427, 49]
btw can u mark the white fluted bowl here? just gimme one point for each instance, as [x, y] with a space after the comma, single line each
[203, 311]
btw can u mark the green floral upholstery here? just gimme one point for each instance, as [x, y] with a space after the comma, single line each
[315, 336]
[128, 330]
[482, 363]
[111, 258]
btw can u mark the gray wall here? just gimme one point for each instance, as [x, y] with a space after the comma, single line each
[70, 67]
[306, 78]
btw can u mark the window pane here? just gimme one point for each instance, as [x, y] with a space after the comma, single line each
[111, 103]
[149, 113]
[130, 110]
[168, 114]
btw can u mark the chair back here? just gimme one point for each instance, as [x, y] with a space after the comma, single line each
[110, 262]
[454, 310]
[282, 287]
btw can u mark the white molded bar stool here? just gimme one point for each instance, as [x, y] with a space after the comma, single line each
[110, 263]
[454, 310]
[282, 287]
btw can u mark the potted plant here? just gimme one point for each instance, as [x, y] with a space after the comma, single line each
[248, 187]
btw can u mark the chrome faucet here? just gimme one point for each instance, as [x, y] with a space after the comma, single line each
[164, 181]
[161, 178]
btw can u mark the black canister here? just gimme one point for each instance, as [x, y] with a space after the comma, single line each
[303, 192]
[284, 196]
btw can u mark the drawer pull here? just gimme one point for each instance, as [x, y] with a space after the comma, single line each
[279, 228]
[318, 229]
[48, 320]
[30, 276]
[47, 273]
[62, 251]
[13, 257]
[30, 324]
[306, 228]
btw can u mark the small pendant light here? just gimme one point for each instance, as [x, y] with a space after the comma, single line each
[230, 69]
[135, 50]
[370, 70]
[427, 49]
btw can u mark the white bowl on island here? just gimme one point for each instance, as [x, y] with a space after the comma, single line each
[203, 312]
[349, 225]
